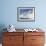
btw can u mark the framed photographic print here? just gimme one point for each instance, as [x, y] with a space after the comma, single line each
[26, 14]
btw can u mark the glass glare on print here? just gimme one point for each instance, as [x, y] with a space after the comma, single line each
[26, 14]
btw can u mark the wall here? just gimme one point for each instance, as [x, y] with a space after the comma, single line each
[8, 13]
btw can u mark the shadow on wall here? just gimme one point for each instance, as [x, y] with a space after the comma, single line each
[2, 26]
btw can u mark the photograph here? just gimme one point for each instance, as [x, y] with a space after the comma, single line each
[26, 14]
